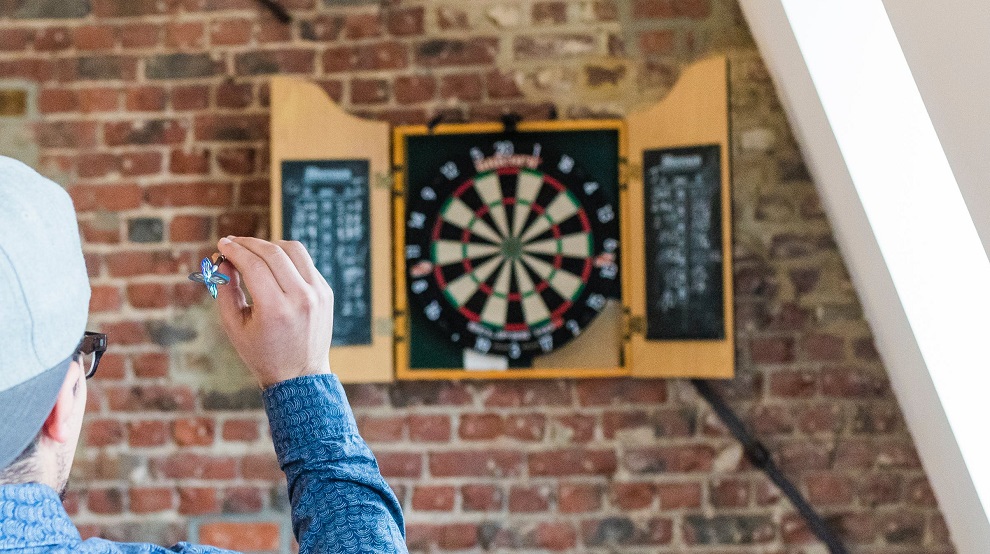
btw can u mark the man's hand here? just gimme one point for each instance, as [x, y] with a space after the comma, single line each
[286, 331]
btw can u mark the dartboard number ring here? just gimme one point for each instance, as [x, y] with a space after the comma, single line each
[509, 253]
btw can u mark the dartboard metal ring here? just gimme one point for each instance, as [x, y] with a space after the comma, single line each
[511, 250]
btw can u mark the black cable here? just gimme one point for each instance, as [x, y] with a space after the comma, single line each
[278, 10]
[760, 457]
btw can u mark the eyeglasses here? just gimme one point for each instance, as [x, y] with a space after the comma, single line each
[90, 350]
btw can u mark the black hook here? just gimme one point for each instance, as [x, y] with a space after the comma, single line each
[510, 121]
[434, 121]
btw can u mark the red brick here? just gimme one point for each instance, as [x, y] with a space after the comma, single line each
[52, 39]
[193, 432]
[147, 433]
[198, 501]
[270, 62]
[680, 459]
[433, 498]
[184, 35]
[481, 427]
[34, 69]
[103, 432]
[234, 95]
[139, 35]
[190, 228]
[679, 495]
[105, 501]
[152, 499]
[141, 262]
[65, 134]
[230, 32]
[822, 347]
[530, 393]
[729, 493]
[369, 91]
[451, 52]
[151, 364]
[429, 428]
[13, 39]
[362, 25]
[502, 85]
[147, 295]
[145, 99]
[578, 498]
[93, 165]
[190, 97]
[632, 496]
[154, 131]
[270, 31]
[241, 430]
[236, 161]
[793, 384]
[184, 162]
[140, 163]
[484, 463]
[399, 464]
[405, 22]
[241, 536]
[463, 87]
[577, 461]
[602, 392]
[381, 429]
[231, 127]
[189, 194]
[555, 536]
[243, 500]
[152, 398]
[772, 350]
[57, 100]
[194, 466]
[94, 37]
[98, 99]
[125, 332]
[104, 298]
[529, 499]
[576, 428]
[264, 467]
[415, 89]
[847, 382]
[525, 427]
[481, 498]
[239, 224]
[112, 367]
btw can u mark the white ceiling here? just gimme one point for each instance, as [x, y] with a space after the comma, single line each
[940, 392]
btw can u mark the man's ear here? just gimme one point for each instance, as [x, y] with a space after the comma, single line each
[57, 427]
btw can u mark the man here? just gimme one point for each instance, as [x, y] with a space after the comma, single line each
[340, 503]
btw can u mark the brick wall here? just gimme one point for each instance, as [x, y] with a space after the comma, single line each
[154, 114]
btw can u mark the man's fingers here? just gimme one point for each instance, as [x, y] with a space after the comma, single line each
[279, 264]
[233, 303]
[302, 260]
[253, 270]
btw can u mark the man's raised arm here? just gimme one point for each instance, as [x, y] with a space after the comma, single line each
[340, 503]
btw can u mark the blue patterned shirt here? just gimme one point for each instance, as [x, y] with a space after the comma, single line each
[340, 503]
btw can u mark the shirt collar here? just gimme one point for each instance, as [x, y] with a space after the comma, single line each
[31, 515]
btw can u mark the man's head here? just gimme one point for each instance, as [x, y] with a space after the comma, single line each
[44, 300]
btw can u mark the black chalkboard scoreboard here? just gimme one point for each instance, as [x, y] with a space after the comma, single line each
[543, 249]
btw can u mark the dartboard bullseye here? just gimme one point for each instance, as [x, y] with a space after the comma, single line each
[511, 253]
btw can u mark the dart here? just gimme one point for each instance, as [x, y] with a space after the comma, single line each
[210, 275]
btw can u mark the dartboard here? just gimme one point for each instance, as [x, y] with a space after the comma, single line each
[511, 250]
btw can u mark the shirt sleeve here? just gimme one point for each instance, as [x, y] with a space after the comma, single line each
[340, 502]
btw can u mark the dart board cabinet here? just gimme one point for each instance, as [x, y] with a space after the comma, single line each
[540, 249]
